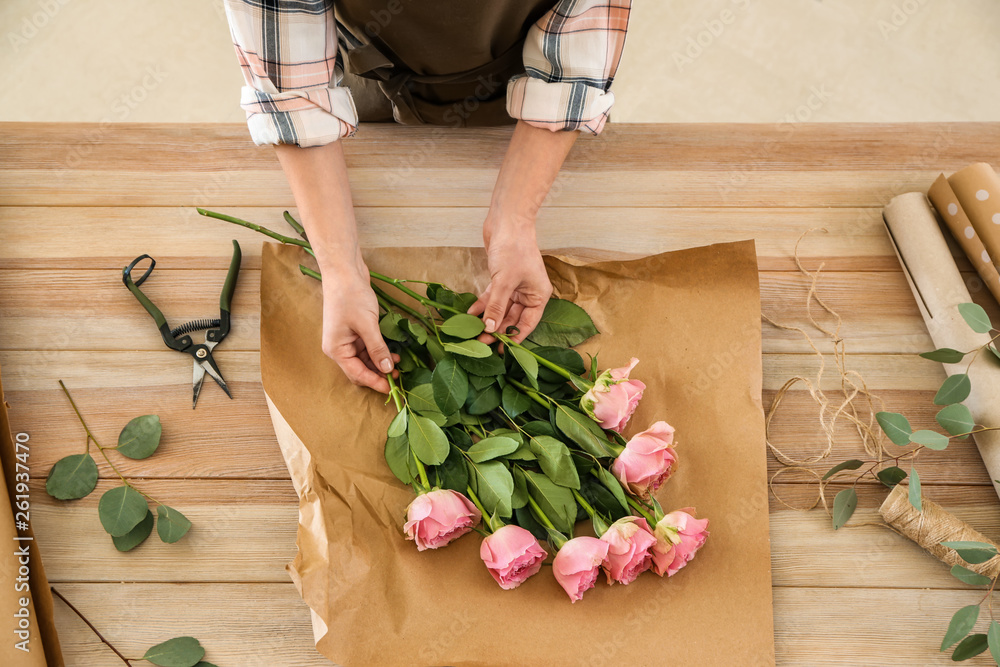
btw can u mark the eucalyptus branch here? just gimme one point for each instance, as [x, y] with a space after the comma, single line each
[90, 625]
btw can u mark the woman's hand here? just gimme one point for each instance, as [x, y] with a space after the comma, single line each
[351, 336]
[519, 285]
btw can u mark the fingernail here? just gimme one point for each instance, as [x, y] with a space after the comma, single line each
[385, 365]
[490, 325]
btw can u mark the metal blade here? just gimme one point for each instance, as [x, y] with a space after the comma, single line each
[213, 370]
[196, 383]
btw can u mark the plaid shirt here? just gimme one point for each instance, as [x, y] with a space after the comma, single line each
[287, 50]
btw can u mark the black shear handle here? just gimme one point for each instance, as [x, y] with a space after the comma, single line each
[161, 321]
[225, 299]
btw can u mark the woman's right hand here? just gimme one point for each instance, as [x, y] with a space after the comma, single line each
[351, 336]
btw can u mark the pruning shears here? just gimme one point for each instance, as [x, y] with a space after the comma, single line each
[178, 338]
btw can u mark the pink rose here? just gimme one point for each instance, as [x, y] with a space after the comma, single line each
[613, 398]
[512, 554]
[436, 518]
[647, 460]
[576, 565]
[629, 549]
[678, 537]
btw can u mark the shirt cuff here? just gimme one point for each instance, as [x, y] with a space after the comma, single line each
[306, 117]
[558, 105]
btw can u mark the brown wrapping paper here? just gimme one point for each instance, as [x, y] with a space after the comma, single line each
[17, 604]
[938, 289]
[693, 319]
[933, 526]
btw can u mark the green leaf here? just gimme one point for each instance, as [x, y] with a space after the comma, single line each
[970, 647]
[481, 402]
[421, 398]
[563, 324]
[972, 552]
[961, 623]
[612, 484]
[171, 525]
[967, 576]
[975, 316]
[399, 458]
[427, 440]
[491, 448]
[560, 356]
[993, 639]
[557, 502]
[896, 427]
[451, 384]
[136, 536]
[582, 430]
[954, 390]
[945, 355]
[527, 363]
[514, 402]
[956, 419]
[435, 417]
[891, 476]
[435, 349]
[488, 366]
[852, 464]
[389, 326]
[520, 496]
[453, 472]
[202, 663]
[176, 652]
[555, 460]
[121, 509]
[140, 437]
[995, 352]
[462, 326]
[844, 505]
[72, 477]
[479, 382]
[494, 486]
[468, 348]
[914, 490]
[397, 426]
[416, 331]
[929, 439]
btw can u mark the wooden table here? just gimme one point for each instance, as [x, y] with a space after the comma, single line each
[77, 202]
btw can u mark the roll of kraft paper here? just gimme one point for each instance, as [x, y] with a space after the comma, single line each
[953, 213]
[938, 289]
[978, 190]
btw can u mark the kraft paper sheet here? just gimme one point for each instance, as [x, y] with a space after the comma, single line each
[693, 319]
[938, 289]
[43, 641]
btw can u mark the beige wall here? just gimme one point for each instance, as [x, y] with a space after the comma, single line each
[689, 61]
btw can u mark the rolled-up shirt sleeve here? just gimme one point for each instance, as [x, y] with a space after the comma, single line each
[287, 50]
[571, 55]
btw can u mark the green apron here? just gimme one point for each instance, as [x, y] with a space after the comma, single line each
[434, 62]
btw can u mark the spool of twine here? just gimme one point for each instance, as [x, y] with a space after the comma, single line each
[932, 526]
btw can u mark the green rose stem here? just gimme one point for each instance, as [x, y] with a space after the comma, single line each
[294, 224]
[90, 436]
[534, 395]
[257, 228]
[395, 393]
[487, 519]
[600, 525]
[400, 285]
[91, 626]
[643, 511]
[556, 537]
[555, 368]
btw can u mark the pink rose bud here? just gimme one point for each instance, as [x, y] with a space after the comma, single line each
[512, 554]
[613, 398]
[576, 565]
[629, 549]
[647, 460]
[678, 537]
[436, 518]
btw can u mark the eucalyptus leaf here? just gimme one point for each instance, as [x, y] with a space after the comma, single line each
[399, 458]
[956, 419]
[450, 384]
[955, 389]
[462, 326]
[555, 460]
[993, 639]
[136, 536]
[913, 492]
[896, 427]
[557, 502]
[844, 505]
[563, 324]
[975, 316]
[171, 525]
[970, 647]
[945, 355]
[929, 439]
[176, 652]
[891, 476]
[468, 348]
[972, 552]
[852, 464]
[427, 440]
[491, 448]
[397, 426]
[140, 437]
[72, 477]
[494, 485]
[961, 623]
[121, 509]
[967, 576]
[514, 401]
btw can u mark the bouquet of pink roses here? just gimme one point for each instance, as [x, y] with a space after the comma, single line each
[521, 441]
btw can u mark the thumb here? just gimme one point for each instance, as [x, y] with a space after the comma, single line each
[378, 351]
[496, 307]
